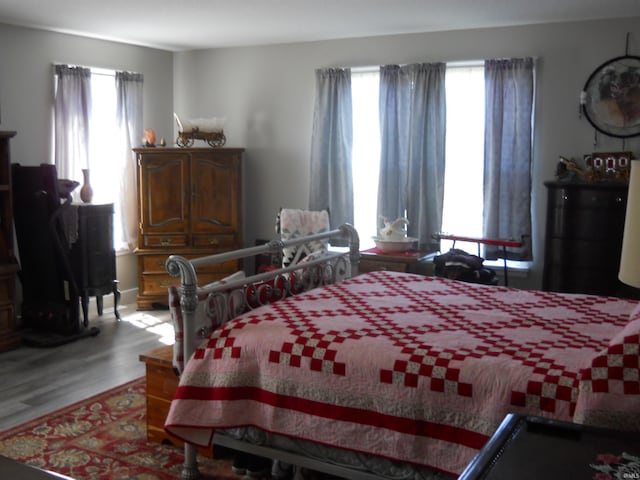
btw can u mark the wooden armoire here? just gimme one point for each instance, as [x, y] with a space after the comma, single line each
[189, 202]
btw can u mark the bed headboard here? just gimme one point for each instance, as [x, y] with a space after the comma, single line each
[226, 299]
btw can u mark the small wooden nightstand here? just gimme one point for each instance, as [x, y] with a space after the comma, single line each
[374, 259]
[529, 448]
[162, 383]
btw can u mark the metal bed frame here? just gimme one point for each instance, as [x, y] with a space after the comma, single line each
[325, 269]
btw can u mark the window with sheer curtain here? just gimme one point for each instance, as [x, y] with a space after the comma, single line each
[464, 150]
[97, 120]
[366, 152]
[464, 157]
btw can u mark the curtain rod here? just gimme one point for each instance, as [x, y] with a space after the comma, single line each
[107, 72]
[453, 63]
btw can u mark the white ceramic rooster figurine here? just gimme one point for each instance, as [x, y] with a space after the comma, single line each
[393, 231]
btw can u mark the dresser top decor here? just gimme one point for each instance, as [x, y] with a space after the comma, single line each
[597, 167]
[211, 130]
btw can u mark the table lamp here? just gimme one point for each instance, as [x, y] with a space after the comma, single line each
[630, 258]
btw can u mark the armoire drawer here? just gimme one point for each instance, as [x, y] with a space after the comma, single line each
[226, 242]
[155, 263]
[158, 284]
[165, 241]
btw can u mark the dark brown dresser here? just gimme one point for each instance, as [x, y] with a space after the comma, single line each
[584, 227]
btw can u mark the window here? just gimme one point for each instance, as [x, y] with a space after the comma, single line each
[366, 153]
[105, 156]
[463, 186]
[462, 213]
[88, 134]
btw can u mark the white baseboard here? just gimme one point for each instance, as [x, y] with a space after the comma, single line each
[127, 297]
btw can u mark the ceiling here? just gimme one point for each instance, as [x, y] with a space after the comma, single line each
[195, 24]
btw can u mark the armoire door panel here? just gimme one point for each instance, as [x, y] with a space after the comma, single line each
[214, 182]
[165, 205]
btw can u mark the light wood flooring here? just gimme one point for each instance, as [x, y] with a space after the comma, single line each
[37, 381]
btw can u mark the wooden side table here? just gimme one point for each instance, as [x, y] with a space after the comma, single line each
[374, 259]
[531, 448]
[162, 382]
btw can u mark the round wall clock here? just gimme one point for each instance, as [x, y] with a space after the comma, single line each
[611, 97]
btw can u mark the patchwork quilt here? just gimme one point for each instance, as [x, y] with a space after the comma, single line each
[412, 368]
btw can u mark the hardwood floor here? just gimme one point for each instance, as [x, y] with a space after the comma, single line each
[36, 381]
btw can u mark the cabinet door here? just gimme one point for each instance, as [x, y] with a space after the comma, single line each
[164, 208]
[93, 256]
[215, 192]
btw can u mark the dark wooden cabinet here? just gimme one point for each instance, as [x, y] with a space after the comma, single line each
[66, 255]
[584, 227]
[93, 257]
[9, 337]
[189, 202]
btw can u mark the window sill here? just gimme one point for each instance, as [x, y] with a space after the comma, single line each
[515, 269]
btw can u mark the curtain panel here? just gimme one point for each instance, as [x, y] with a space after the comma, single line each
[412, 156]
[129, 95]
[509, 94]
[331, 181]
[72, 112]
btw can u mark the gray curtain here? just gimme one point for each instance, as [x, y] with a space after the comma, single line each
[129, 121]
[412, 135]
[72, 111]
[331, 181]
[509, 89]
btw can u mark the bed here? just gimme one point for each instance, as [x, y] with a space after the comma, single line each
[387, 374]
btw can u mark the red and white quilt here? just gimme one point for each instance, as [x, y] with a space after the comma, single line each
[413, 368]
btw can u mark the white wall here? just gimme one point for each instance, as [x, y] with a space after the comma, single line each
[26, 93]
[267, 94]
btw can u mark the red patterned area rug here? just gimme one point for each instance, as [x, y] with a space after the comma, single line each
[102, 438]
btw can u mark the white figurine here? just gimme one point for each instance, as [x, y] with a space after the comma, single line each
[393, 231]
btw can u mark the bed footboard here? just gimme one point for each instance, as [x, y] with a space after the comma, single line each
[228, 299]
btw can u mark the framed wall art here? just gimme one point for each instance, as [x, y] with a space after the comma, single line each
[611, 97]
